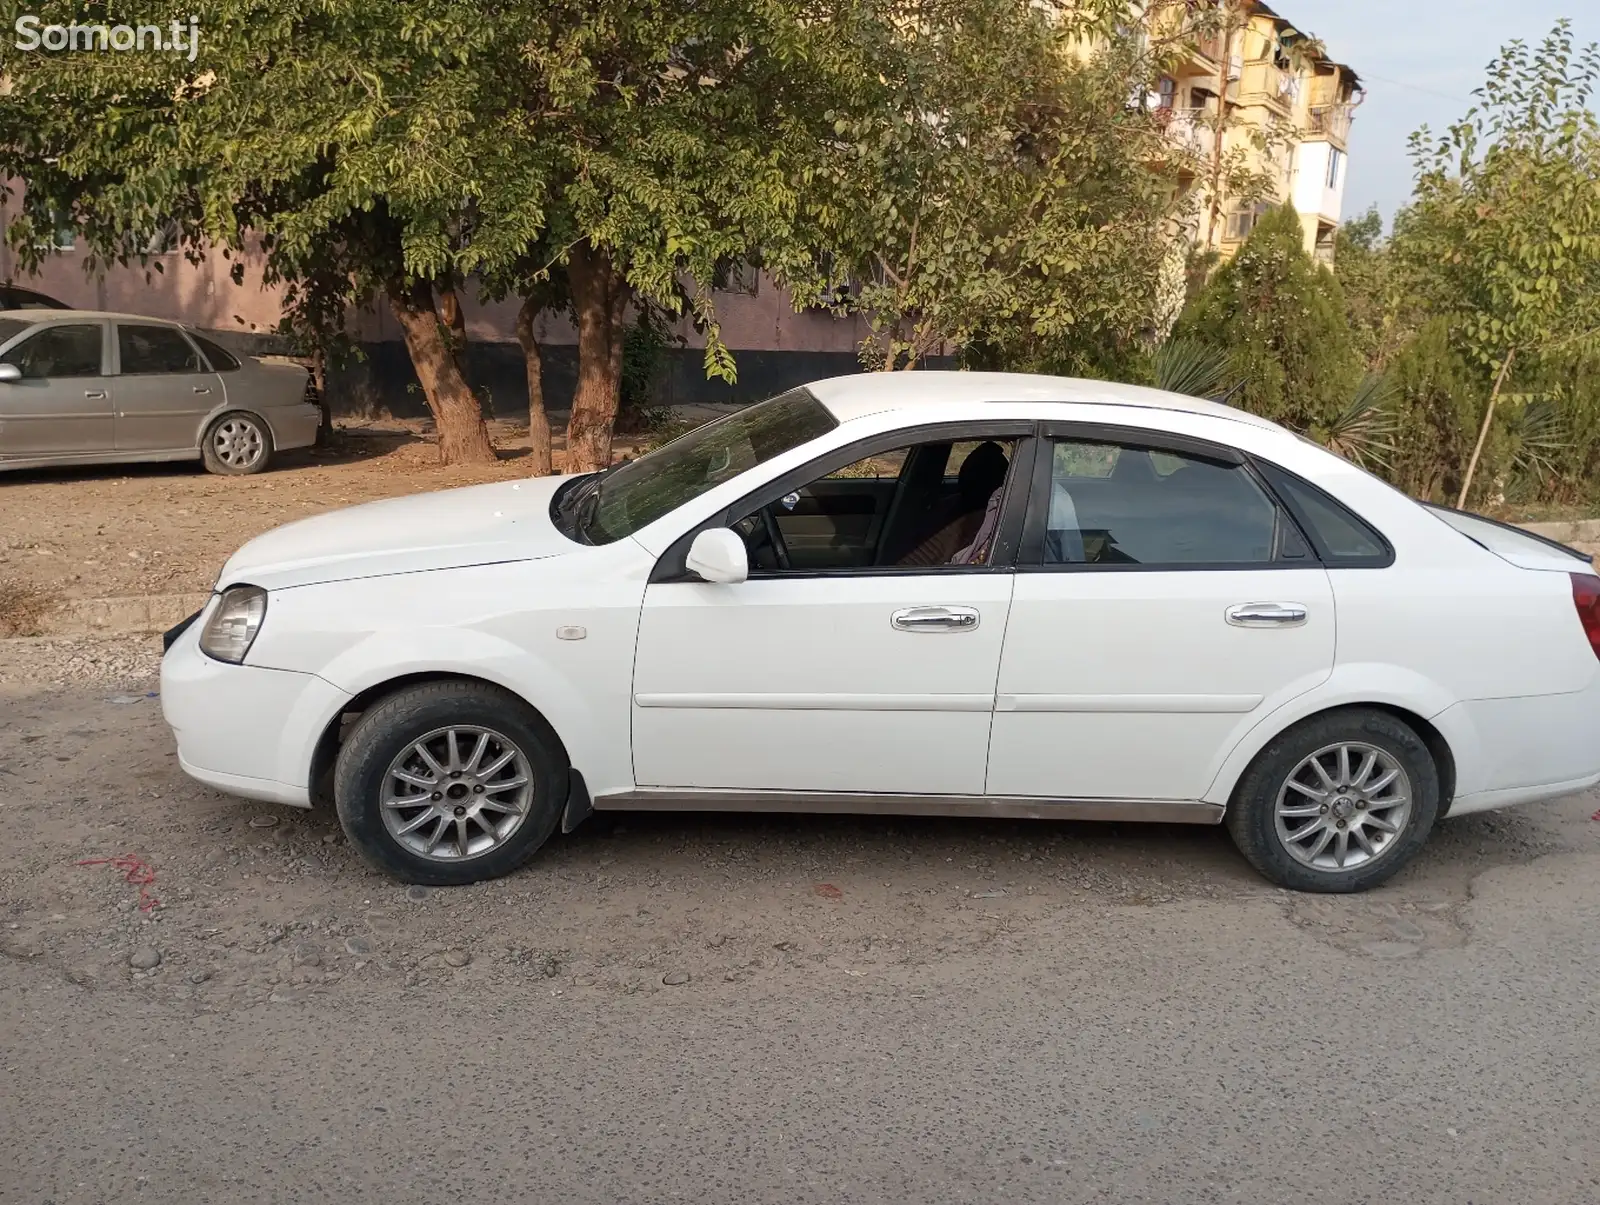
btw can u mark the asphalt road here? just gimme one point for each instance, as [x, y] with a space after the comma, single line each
[874, 1011]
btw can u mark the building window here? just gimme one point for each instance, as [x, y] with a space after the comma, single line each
[1241, 222]
[1335, 166]
[63, 236]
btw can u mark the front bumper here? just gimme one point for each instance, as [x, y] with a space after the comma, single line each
[243, 729]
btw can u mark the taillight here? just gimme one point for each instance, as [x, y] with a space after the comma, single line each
[1586, 597]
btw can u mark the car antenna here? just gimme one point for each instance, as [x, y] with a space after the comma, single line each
[1222, 399]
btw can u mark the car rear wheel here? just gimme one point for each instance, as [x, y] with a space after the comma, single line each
[236, 444]
[1336, 804]
[448, 783]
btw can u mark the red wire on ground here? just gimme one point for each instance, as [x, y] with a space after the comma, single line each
[134, 870]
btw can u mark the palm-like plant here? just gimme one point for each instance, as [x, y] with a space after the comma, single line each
[1538, 436]
[1190, 367]
[1363, 432]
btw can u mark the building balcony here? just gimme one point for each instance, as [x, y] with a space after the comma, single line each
[1190, 129]
[1330, 121]
[1264, 82]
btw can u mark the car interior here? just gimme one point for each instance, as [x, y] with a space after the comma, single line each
[1133, 506]
[927, 505]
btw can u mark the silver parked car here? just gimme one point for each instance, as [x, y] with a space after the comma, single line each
[79, 387]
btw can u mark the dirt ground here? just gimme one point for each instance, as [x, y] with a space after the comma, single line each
[168, 528]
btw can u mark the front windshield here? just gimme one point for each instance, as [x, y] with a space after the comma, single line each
[627, 497]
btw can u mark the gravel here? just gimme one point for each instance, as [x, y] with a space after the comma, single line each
[115, 661]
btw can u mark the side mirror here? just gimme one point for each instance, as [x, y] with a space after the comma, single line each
[9, 373]
[718, 555]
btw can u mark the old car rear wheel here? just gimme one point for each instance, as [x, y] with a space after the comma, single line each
[1337, 804]
[450, 782]
[236, 444]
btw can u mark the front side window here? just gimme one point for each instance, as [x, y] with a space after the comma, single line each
[614, 504]
[69, 350]
[931, 505]
[1114, 504]
[150, 349]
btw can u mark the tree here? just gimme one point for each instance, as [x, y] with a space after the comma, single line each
[1503, 235]
[335, 134]
[672, 139]
[991, 192]
[1279, 316]
[1364, 267]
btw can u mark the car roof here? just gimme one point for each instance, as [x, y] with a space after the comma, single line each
[857, 396]
[50, 315]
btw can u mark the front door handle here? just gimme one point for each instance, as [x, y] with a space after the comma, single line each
[1267, 615]
[935, 619]
[95, 393]
[201, 389]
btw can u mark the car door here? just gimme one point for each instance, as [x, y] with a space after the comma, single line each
[163, 389]
[61, 406]
[1165, 602]
[840, 677]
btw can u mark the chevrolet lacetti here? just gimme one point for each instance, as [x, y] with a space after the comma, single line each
[910, 593]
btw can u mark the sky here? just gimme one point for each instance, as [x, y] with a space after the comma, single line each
[1419, 61]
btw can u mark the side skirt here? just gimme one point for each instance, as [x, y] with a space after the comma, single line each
[1161, 811]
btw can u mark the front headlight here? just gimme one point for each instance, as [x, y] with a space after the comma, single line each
[234, 623]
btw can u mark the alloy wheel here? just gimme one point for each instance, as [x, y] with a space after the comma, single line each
[1343, 806]
[457, 793]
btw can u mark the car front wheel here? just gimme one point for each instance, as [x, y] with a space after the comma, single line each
[448, 783]
[1337, 804]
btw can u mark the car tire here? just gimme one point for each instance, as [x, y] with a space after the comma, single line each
[237, 444]
[1311, 819]
[475, 825]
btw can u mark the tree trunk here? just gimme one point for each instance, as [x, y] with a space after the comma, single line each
[1483, 431]
[319, 386]
[456, 321]
[538, 418]
[599, 299]
[463, 438]
[1214, 201]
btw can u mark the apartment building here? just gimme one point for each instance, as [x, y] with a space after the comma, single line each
[1280, 105]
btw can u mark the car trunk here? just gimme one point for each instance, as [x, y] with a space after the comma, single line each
[1521, 548]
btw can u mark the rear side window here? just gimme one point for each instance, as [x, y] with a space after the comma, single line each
[221, 361]
[153, 349]
[1116, 505]
[1341, 539]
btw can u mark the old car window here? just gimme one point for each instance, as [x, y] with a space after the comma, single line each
[618, 502]
[1178, 510]
[69, 350]
[221, 359]
[148, 349]
[10, 328]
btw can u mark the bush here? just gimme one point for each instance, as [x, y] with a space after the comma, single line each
[1279, 318]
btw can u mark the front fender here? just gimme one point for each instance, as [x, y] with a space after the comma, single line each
[1351, 686]
[496, 623]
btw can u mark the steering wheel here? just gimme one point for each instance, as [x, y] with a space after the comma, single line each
[775, 537]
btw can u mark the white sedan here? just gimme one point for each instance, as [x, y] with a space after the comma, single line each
[909, 593]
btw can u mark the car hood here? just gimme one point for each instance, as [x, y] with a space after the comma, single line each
[450, 529]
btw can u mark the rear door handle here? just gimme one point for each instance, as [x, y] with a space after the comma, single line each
[94, 393]
[1267, 615]
[201, 389]
[935, 619]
